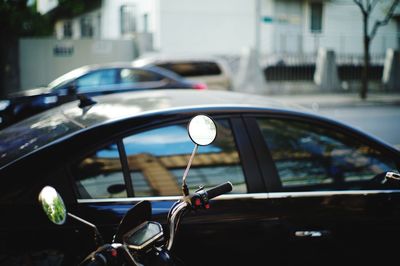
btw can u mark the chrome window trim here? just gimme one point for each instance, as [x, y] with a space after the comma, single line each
[277, 195]
[270, 195]
[175, 198]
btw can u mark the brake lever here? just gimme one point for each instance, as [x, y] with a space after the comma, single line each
[391, 175]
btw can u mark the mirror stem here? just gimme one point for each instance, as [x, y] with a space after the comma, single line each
[185, 189]
[97, 236]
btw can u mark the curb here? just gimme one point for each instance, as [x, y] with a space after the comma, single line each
[329, 100]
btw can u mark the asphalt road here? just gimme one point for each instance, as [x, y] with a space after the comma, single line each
[380, 121]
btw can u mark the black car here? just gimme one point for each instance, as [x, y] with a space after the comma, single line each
[307, 190]
[89, 81]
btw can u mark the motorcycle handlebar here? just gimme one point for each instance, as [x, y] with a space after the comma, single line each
[219, 190]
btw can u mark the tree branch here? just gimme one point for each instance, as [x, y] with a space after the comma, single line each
[369, 6]
[385, 21]
[358, 2]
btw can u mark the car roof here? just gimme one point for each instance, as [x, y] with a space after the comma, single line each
[134, 104]
[68, 119]
[60, 123]
[77, 72]
[128, 104]
[151, 59]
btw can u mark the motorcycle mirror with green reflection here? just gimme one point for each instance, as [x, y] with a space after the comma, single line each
[53, 205]
[202, 131]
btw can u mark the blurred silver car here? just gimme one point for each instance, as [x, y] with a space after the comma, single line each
[213, 72]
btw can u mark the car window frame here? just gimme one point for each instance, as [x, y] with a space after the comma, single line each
[74, 160]
[272, 180]
[252, 169]
[251, 174]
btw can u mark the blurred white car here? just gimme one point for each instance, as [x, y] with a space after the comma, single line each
[213, 72]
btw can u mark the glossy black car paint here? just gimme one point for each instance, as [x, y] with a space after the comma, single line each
[29, 102]
[257, 228]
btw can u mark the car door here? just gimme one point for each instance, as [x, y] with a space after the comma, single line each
[148, 164]
[331, 208]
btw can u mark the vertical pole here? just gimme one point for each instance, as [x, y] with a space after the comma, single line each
[257, 41]
[364, 78]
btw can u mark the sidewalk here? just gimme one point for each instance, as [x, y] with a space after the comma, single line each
[338, 99]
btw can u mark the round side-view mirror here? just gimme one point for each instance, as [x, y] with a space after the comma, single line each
[53, 205]
[202, 130]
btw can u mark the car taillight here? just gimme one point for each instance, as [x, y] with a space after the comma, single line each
[199, 86]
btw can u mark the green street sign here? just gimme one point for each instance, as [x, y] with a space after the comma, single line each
[267, 19]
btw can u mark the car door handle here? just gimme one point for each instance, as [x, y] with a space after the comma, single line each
[312, 233]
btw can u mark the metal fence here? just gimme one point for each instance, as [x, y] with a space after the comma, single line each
[307, 59]
[301, 67]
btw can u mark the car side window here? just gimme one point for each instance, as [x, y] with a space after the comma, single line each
[128, 76]
[157, 160]
[97, 78]
[310, 157]
[99, 175]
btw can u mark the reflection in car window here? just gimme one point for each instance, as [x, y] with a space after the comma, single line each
[157, 159]
[307, 156]
[33, 133]
[99, 174]
[127, 75]
[102, 77]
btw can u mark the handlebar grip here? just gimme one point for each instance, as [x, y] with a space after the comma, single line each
[219, 190]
